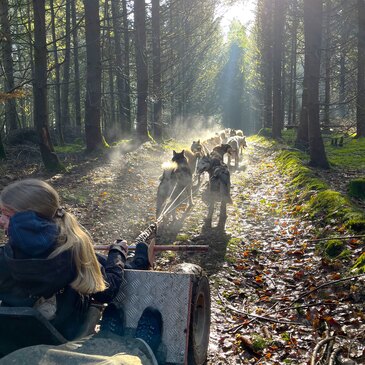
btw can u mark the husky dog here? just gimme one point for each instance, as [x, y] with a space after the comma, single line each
[175, 184]
[213, 141]
[219, 151]
[219, 188]
[223, 136]
[199, 148]
[196, 151]
[237, 143]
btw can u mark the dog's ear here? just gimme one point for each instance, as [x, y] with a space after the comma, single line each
[183, 152]
[198, 141]
[174, 153]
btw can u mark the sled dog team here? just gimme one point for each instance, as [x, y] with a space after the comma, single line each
[176, 183]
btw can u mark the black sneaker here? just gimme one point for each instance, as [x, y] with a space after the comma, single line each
[140, 258]
[113, 320]
[149, 328]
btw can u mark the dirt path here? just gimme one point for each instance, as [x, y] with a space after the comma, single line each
[260, 266]
[260, 269]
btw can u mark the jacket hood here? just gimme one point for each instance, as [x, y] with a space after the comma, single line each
[32, 234]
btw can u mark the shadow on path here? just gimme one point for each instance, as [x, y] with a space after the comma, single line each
[217, 240]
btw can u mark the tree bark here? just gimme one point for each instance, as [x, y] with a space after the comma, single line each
[267, 60]
[156, 65]
[360, 101]
[327, 66]
[49, 157]
[293, 68]
[279, 22]
[57, 104]
[2, 150]
[65, 112]
[312, 34]
[77, 96]
[6, 40]
[119, 65]
[126, 76]
[114, 130]
[94, 138]
[141, 64]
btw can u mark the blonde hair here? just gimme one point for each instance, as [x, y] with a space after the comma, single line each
[40, 197]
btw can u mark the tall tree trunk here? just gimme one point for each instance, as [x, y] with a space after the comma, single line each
[50, 159]
[327, 66]
[114, 116]
[141, 64]
[172, 8]
[156, 62]
[267, 60]
[65, 112]
[57, 103]
[6, 40]
[77, 96]
[94, 138]
[2, 150]
[342, 85]
[302, 138]
[360, 101]
[279, 22]
[293, 68]
[127, 91]
[119, 63]
[312, 33]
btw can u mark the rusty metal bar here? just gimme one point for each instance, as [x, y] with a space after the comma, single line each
[158, 248]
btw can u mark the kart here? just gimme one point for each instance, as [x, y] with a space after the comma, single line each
[182, 295]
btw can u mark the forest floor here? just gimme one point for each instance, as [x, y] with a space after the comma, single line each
[273, 297]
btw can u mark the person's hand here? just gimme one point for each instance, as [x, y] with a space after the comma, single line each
[121, 244]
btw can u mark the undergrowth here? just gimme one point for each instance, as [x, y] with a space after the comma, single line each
[312, 194]
[317, 199]
[350, 156]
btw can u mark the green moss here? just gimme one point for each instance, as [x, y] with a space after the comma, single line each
[172, 144]
[303, 180]
[345, 254]
[320, 200]
[234, 242]
[359, 265]
[289, 136]
[70, 148]
[334, 248]
[182, 237]
[285, 336]
[265, 132]
[351, 155]
[357, 188]
[329, 203]
[264, 141]
[259, 343]
[122, 142]
[150, 137]
[356, 224]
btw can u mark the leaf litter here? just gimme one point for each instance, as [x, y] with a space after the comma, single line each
[274, 299]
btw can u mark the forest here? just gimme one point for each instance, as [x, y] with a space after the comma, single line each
[101, 71]
[97, 95]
